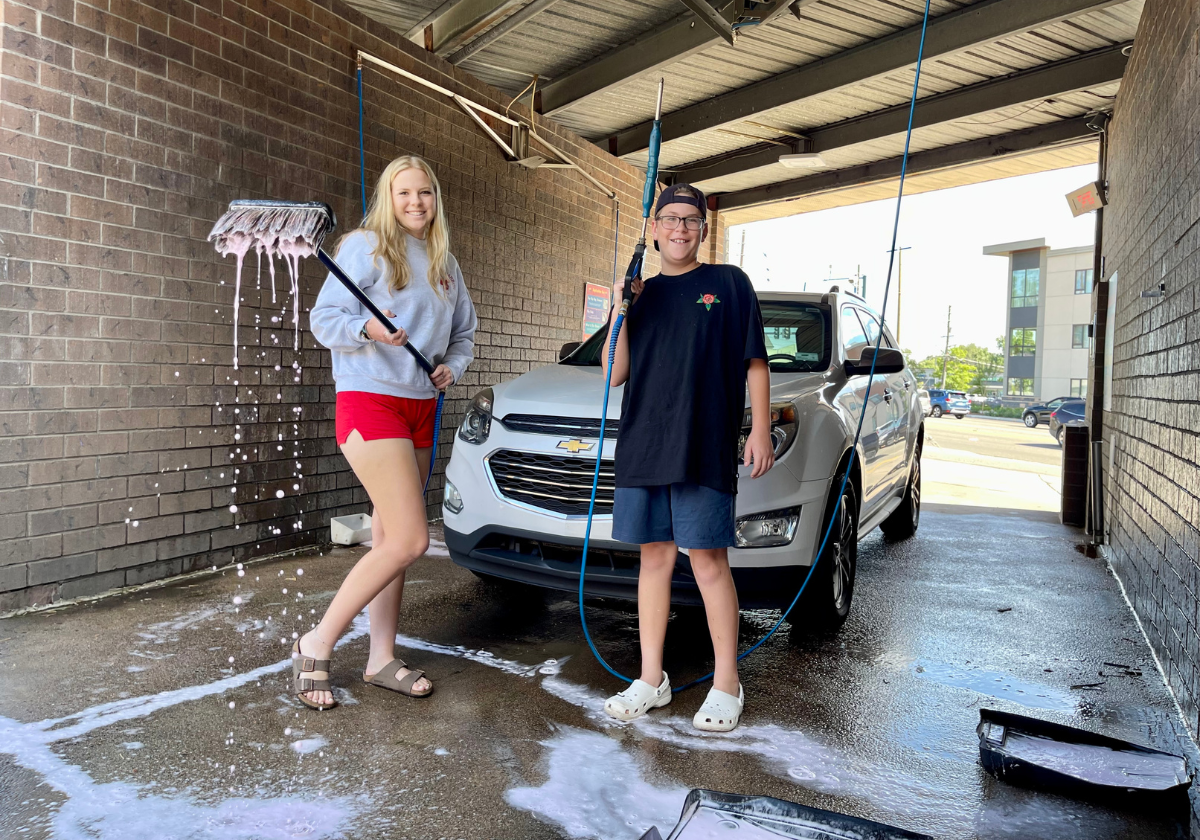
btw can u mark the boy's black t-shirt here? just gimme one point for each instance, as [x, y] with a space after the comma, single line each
[691, 337]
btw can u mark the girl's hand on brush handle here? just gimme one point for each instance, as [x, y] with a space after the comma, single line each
[379, 333]
[441, 377]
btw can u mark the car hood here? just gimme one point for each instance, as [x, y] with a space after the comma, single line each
[577, 391]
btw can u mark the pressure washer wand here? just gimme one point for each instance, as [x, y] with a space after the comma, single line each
[639, 252]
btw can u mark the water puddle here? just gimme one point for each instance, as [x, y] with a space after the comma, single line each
[996, 684]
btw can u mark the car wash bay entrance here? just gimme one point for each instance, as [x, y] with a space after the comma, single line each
[128, 432]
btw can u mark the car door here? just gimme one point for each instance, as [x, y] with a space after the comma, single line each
[852, 397]
[892, 419]
[1050, 408]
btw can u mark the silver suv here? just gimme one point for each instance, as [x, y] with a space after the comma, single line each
[519, 479]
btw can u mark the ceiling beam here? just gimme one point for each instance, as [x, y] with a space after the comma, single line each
[500, 30]
[1098, 67]
[1062, 133]
[466, 19]
[672, 41]
[712, 18]
[981, 22]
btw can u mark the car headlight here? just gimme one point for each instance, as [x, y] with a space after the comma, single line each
[477, 424]
[762, 530]
[783, 428]
[451, 500]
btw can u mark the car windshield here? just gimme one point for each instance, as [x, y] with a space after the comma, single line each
[797, 337]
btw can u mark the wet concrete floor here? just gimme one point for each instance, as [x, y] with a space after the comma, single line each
[165, 712]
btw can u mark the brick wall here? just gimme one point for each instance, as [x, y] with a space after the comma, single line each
[1152, 235]
[127, 127]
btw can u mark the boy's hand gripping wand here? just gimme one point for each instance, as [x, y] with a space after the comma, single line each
[634, 272]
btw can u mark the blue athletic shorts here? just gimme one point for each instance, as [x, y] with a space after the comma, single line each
[690, 515]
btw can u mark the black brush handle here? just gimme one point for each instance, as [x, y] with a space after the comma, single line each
[336, 271]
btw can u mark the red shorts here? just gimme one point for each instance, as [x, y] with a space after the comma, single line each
[379, 417]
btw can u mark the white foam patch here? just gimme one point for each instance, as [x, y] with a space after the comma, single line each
[483, 657]
[788, 754]
[595, 789]
[132, 745]
[437, 548]
[123, 811]
[309, 745]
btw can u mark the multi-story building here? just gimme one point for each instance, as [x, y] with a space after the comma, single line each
[1046, 335]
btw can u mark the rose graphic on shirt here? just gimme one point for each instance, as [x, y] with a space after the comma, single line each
[708, 301]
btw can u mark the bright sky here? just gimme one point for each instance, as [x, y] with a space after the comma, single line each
[946, 231]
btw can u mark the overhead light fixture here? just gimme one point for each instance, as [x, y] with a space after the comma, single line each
[802, 160]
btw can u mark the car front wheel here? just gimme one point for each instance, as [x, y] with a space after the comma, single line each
[937, 411]
[826, 601]
[1031, 420]
[903, 521]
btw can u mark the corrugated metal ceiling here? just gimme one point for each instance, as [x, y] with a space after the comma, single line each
[573, 32]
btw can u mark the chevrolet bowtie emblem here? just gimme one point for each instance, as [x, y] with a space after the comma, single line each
[575, 445]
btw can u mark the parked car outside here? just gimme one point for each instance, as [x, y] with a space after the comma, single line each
[949, 402]
[923, 399]
[520, 476]
[1069, 413]
[1041, 412]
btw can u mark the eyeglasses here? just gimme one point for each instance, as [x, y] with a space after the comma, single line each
[672, 222]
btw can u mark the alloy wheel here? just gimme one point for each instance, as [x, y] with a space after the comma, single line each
[842, 546]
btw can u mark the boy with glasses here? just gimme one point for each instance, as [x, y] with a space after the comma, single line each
[692, 340]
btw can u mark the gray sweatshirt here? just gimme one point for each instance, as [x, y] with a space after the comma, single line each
[441, 325]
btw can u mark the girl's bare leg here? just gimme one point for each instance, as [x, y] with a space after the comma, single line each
[389, 473]
[384, 610]
[654, 606]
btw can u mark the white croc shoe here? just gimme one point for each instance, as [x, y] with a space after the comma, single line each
[720, 712]
[638, 699]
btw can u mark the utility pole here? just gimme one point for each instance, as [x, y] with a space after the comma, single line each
[900, 286]
[946, 352]
[742, 255]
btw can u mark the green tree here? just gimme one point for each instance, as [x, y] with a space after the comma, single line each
[968, 368]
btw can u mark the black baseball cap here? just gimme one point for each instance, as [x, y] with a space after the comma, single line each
[682, 194]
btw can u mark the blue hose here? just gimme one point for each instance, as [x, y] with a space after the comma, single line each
[612, 350]
[362, 151]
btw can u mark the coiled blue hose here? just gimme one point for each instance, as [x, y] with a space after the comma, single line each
[612, 350]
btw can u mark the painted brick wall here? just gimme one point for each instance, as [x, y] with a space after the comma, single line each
[127, 127]
[1152, 234]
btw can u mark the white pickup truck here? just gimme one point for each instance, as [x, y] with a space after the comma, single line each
[519, 480]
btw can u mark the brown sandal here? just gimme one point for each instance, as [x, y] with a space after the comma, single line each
[386, 678]
[302, 664]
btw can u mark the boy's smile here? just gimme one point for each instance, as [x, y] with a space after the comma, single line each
[680, 246]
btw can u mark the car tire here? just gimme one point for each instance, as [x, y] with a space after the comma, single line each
[1030, 420]
[937, 411]
[1061, 434]
[825, 605]
[904, 520]
[959, 416]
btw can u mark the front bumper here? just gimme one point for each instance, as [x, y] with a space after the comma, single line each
[496, 536]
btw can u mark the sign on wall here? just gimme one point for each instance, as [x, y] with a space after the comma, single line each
[595, 307]
[1086, 199]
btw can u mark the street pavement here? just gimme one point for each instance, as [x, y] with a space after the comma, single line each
[165, 712]
[990, 462]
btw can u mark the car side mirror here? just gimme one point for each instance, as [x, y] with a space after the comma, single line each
[567, 349]
[887, 360]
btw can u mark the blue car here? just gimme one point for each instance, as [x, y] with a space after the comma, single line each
[949, 402]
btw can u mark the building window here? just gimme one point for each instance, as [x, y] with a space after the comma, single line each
[1025, 284]
[1079, 337]
[1022, 342]
[1079, 388]
[1083, 281]
[1020, 387]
